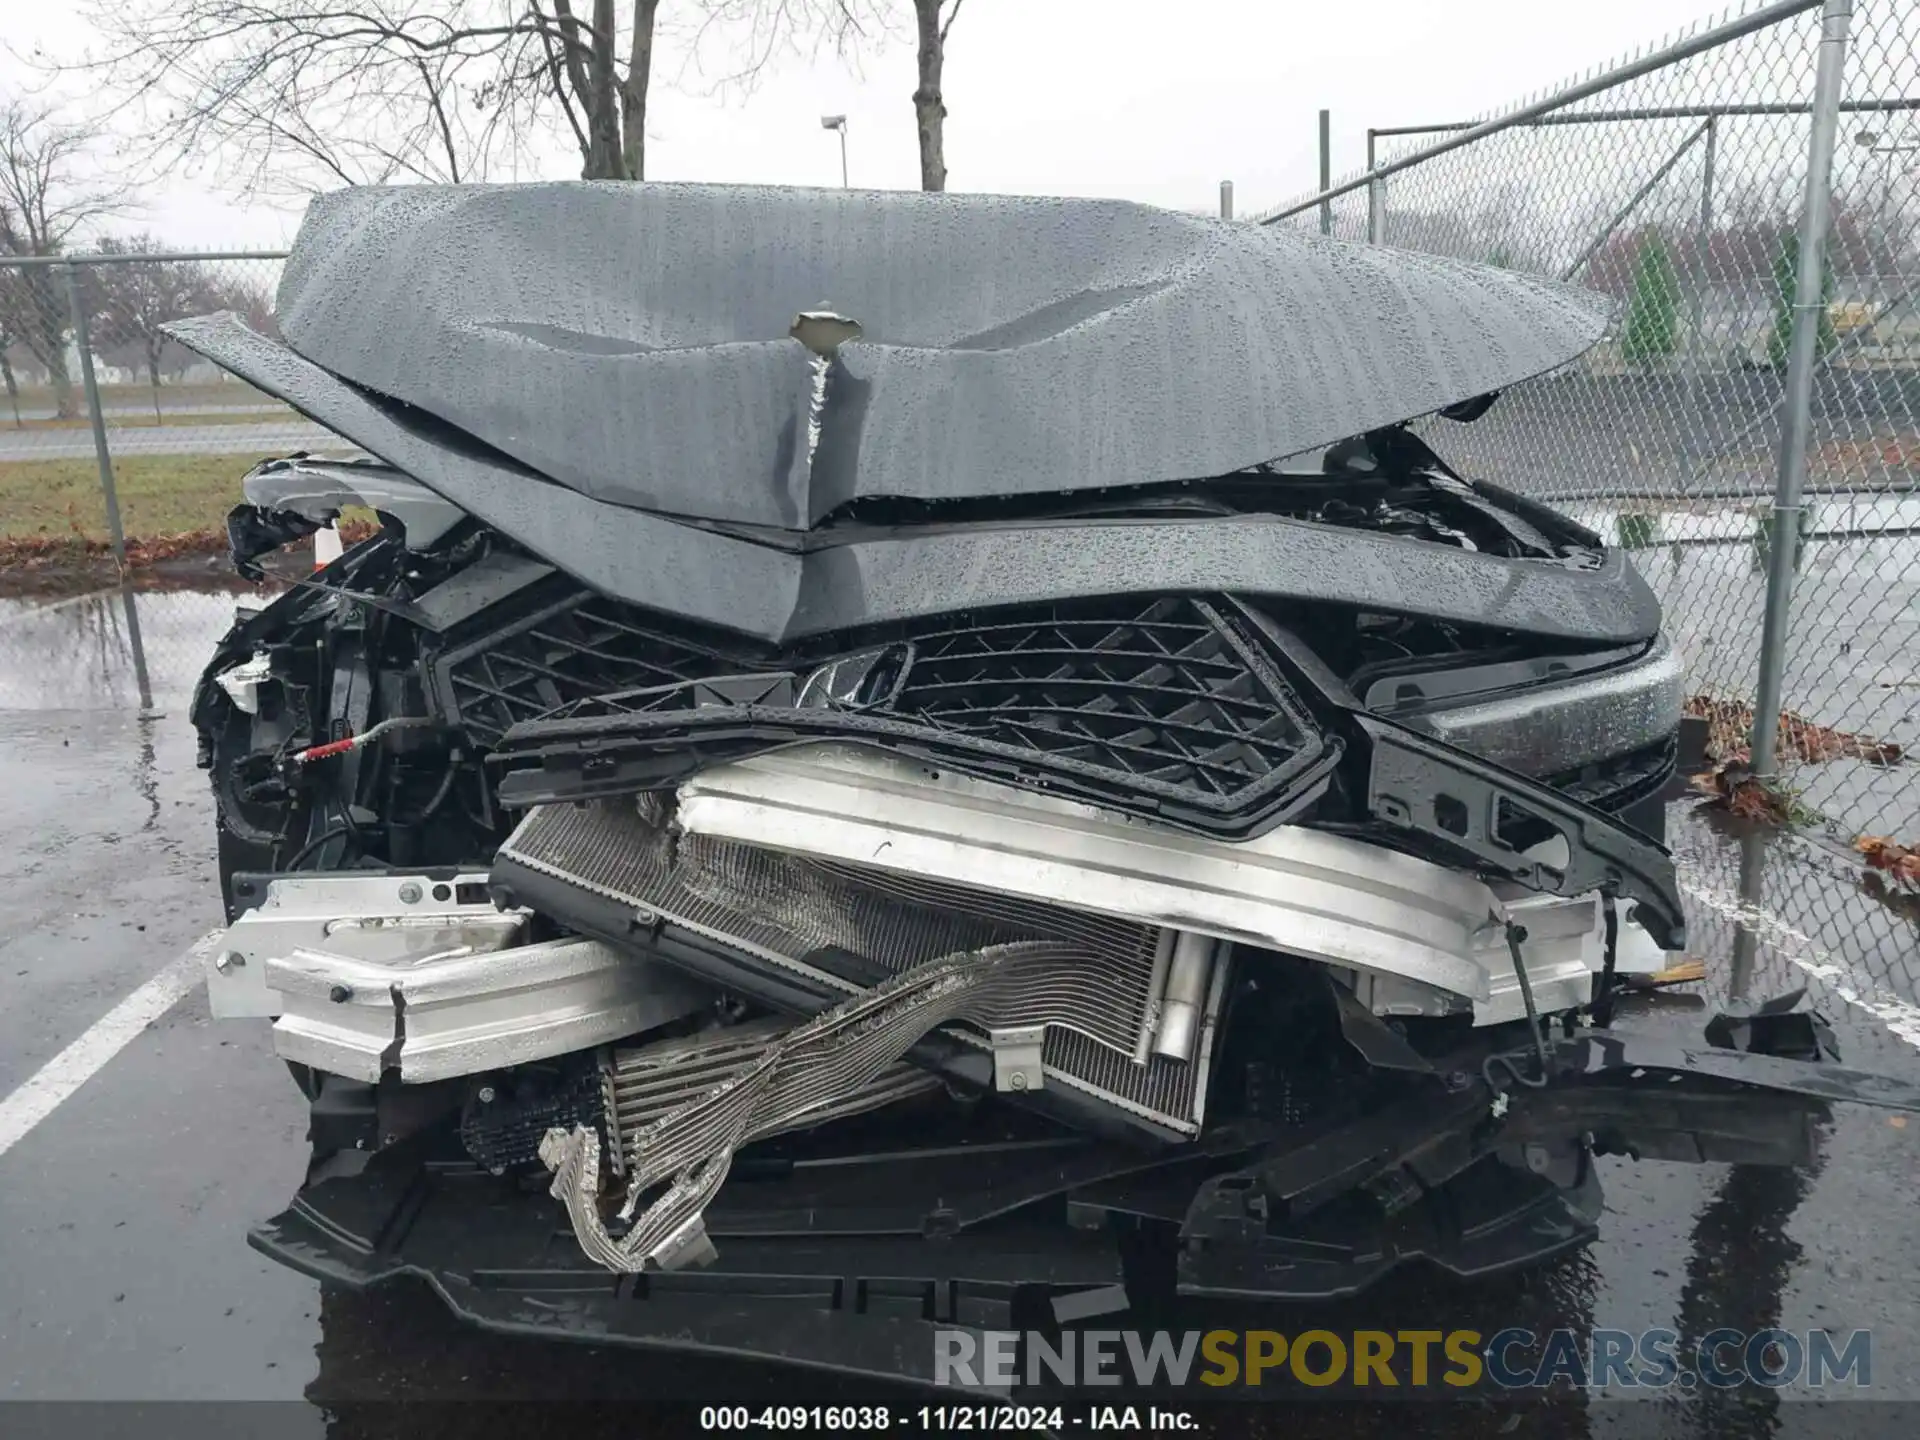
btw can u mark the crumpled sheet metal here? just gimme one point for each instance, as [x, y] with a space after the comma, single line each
[781, 596]
[810, 1067]
[631, 341]
[470, 1008]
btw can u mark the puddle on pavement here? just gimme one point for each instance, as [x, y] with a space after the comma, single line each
[73, 653]
[1787, 910]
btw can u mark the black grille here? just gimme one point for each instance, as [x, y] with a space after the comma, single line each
[1159, 692]
[1157, 706]
[567, 649]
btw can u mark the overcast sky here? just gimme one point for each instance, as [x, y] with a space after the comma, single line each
[1152, 102]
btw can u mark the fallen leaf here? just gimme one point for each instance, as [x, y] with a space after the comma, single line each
[1882, 852]
[1734, 787]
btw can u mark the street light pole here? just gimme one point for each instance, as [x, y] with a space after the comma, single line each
[1870, 141]
[838, 122]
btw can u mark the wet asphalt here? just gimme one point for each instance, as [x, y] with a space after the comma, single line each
[124, 1272]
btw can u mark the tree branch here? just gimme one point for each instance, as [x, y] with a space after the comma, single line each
[634, 90]
[44, 196]
[570, 29]
[440, 114]
[560, 89]
[289, 96]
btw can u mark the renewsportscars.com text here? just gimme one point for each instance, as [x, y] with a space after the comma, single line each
[1440, 1360]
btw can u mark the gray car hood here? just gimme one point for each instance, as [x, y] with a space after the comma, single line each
[773, 593]
[631, 342]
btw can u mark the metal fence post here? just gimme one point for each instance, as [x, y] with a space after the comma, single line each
[1746, 934]
[84, 346]
[1707, 161]
[1376, 197]
[1326, 170]
[1226, 199]
[1808, 302]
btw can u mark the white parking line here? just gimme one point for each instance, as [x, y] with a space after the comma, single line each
[42, 1094]
[1900, 1016]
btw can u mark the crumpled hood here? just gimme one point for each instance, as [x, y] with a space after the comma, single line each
[630, 341]
[677, 567]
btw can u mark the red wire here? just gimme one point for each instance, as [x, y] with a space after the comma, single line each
[321, 752]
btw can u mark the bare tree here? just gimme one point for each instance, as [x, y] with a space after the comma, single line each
[13, 312]
[247, 296]
[298, 97]
[46, 197]
[929, 104]
[132, 300]
[753, 33]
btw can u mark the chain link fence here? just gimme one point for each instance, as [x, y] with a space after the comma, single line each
[1677, 183]
[156, 398]
[115, 439]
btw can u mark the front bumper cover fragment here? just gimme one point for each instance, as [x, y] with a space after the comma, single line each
[845, 1269]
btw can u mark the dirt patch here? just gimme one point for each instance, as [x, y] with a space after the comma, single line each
[1900, 863]
[1880, 455]
[71, 564]
[81, 559]
[1892, 874]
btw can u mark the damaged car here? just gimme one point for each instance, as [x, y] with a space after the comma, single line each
[903, 759]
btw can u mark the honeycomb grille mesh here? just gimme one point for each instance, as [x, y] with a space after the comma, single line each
[1138, 695]
[581, 645]
[1158, 692]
